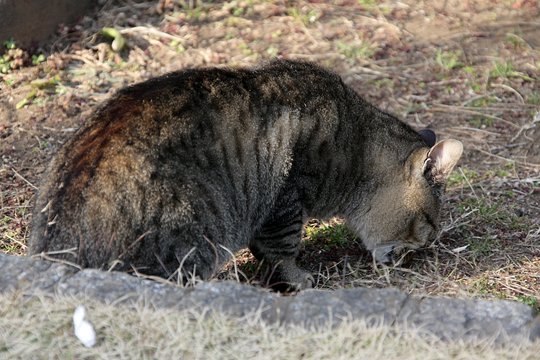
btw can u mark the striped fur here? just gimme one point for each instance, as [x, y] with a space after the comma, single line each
[181, 169]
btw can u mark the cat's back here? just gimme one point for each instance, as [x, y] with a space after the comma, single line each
[211, 138]
[184, 101]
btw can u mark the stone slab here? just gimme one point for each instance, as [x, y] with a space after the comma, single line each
[445, 318]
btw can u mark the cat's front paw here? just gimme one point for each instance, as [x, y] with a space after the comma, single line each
[290, 279]
[303, 282]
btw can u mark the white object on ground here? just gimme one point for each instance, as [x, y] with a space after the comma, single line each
[460, 249]
[84, 330]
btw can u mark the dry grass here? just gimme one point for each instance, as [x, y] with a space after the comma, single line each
[469, 70]
[41, 328]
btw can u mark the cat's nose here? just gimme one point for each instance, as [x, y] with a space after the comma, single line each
[383, 254]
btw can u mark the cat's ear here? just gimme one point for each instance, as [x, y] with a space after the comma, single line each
[441, 159]
[428, 136]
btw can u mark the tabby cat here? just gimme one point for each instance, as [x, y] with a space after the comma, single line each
[172, 175]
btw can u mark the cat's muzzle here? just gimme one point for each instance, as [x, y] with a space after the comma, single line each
[383, 254]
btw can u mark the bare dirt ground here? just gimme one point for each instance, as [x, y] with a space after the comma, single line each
[467, 69]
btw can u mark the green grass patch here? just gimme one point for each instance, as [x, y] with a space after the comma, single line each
[376, 6]
[384, 83]
[506, 70]
[499, 173]
[477, 87]
[367, 3]
[488, 211]
[470, 70]
[533, 98]
[330, 235]
[481, 122]
[38, 59]
[448, 60]
[528, 300]
[462, 177]
[502, 69]
[10, 44]
[363, 50]
[272, 51]
[195, 14]
[305, 17]
[482, 246]
[491, 218]
[14, 57]
[177, 46]
[515, 41]
[482, 102]
[487, 286]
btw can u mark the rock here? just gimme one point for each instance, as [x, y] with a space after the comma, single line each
[498, 318]
[451, 319]
[229, 297]
[117, 287]
[534, 331]
[384, 304]
[322, 307]
[447, 319]
[27, 274]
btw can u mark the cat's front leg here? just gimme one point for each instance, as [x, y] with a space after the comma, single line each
[277, 247]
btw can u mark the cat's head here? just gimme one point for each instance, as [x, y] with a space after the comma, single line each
[404, 213]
